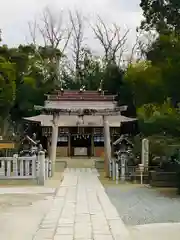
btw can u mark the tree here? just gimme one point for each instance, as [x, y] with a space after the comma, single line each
[112, 78]
[161, 119]
[165, 48]
[91, 70]
[28, 78]
[31, 81]
[77, 23]
[55, 35]
[51, 29]
[7, 91]
[145, 82]
[164, 53]
[161, 15]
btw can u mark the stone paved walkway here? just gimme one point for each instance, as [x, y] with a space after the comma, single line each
[81, 210]
[78, 210]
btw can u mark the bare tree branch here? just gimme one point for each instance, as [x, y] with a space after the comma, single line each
[139, 48]
[111, 39]
[53, 30]
[33, 30]
[77, 23]
[55, 35]
[135, 48]
[143, 42]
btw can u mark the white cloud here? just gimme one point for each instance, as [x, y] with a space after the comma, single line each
[14, 15]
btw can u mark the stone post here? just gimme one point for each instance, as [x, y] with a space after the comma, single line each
[15, 164]
[54, 142]
[41, 172]
[46, 168]
[69, 145]
[117, 173]
[123, 166]
[141, 168]
[92, 144]
[107, 145]
[145, 152]
[113, 170]
[110, 169]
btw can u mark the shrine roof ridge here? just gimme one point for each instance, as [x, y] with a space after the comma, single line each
[81, 98]
[79, 95]
[56, 91]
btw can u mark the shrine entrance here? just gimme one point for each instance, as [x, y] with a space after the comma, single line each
[81, 112]
[80, 142]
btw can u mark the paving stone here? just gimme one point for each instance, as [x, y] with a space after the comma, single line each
[65, 224]
[65, 221]
[64, 230]
[104, 230]
[81, 210]
[83, 234]
[45, 233]
[118, 230]
[47, 226]
[63, 237]
[81, 218]
[103, 237]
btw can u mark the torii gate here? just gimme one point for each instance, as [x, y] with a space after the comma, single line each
[85, 104]
[107, 140]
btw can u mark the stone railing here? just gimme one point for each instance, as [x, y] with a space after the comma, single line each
[34, 167]
[126, 173]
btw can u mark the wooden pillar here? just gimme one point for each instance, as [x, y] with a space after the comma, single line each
[107, 145]
[54, 138]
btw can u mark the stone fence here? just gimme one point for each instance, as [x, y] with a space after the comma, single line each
[163, 179]
[17, 168]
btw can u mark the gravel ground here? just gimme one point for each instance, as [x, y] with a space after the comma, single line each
[142, 205]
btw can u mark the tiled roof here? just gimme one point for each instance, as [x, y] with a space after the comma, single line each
[99, 105]
[76, 96]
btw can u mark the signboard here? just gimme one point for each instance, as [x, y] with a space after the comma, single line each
[6, 145]
[145, 152]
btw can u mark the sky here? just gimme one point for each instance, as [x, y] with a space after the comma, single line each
[15, 15]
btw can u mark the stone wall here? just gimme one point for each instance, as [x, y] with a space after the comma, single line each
[163, 179]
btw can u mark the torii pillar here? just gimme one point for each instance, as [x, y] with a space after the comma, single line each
[107, 145]
[54, 138]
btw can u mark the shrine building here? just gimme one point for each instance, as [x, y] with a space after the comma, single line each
[79, 120]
